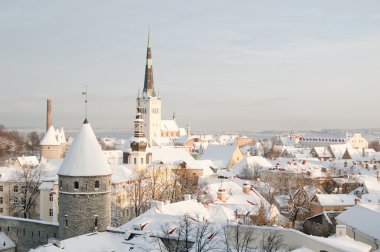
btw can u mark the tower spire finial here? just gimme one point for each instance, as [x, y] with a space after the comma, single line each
[149, 45]
[85, 104]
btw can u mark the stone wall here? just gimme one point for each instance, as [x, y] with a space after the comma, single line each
[27, 234]
[86, 209]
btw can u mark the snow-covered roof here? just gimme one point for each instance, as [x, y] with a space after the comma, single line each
[236, 198]
[50, 137]
[338, 137]
[85, 157]
[323, 152]
[365, 218]
[250, 162]
[28, 160]
[48, 185]
[155, 218]
[175, 156]
[220, 155]
[338, 150]
[169, 125]
[112, 240]
[122, 173]
[336, 199]
[61, 135]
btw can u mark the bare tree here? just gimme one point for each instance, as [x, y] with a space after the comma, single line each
[204, 238]
[11, 144]
[189, 234]
[238, 238]
[272, 241]
[139, 193]
[116, 211]
[33, 142]
[25, 192]
[298, 203]
[178, 237]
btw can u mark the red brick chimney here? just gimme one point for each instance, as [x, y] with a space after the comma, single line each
[48, 115]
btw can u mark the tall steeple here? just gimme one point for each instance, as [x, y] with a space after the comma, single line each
[148, 82]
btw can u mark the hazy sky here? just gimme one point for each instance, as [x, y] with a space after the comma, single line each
[227, 65]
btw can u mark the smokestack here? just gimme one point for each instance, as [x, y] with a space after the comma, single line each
[48, 115]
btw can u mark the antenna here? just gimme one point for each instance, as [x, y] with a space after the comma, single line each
[85, 102]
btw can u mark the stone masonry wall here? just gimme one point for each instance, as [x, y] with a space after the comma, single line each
[27, 234]
[80, 210]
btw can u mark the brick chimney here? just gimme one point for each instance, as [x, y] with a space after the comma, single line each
[357, 201]
[222, 194]
[246, 187]
[340, 230]
[48, 115]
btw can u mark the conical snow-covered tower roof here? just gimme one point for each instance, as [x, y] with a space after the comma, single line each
[50, 137]
[85, 156]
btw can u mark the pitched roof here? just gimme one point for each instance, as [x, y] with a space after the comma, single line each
[336, 199]
[169, 125]
[50, 137]
[363, 217]
[220, 155]
[85, 157]
[28, 160]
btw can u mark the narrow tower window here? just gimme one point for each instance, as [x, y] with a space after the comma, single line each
[96, 221]
[97, 184]
[76, 185]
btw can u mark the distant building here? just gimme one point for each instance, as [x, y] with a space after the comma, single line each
[53, 144]
[358, 142]
[312, 139]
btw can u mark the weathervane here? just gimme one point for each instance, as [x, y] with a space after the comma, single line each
[85, 101]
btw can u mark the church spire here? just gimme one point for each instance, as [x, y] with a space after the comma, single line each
[148, 82]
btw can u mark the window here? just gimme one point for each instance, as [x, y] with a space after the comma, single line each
[142, 160]
[1, 188]
[50, 212]
[134, 160]
[96, 221]
[1, 210]
[15, 188]
[1, 200]
[67, 223]
[51, 197]
[60, 184]
[76, 185]
[97, 184]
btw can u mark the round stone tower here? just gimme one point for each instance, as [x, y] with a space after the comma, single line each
[84, 187]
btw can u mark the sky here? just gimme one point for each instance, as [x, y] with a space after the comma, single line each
[219, 65]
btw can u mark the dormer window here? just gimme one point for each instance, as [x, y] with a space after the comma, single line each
[76, 185]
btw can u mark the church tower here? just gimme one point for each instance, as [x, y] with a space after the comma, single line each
[150, 103]
[84, 187]
[136, 155]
